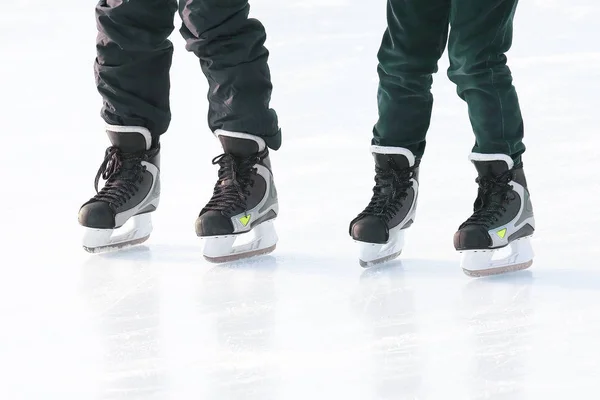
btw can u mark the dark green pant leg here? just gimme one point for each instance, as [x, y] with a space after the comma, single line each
[413, 43]
[133, 62]
[233, 57]
[481, 34]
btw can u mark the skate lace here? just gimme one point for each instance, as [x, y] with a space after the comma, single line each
[236, 178]
[122, 172]
[390, 191]
[491, 200]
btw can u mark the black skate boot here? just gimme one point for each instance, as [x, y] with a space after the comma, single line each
[503, 216]
[131, 191]
[380, 227]
[244, 200]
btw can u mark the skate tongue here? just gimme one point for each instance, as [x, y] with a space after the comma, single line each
[491, 168]
[240, 144]
[130, 139]
[383, 161]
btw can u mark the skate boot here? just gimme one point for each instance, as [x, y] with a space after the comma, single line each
[244, 202]
[502, 219]
[130, 193]
[379, 229]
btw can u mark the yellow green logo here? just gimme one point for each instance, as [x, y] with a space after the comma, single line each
[502, 233]
[246, 218]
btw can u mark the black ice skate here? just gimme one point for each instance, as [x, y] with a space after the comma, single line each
[244, 202]
[502, 219]
[131, 192]
[379, 229]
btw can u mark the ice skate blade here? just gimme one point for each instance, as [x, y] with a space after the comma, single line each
[115, 247]
[371, 254]
[498, 271]
[479, 263]
[261, 240]
[134, 232]
[369, 264]
[242, 256]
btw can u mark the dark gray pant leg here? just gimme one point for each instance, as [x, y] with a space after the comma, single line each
[133, 61]
[481, 35]
[413, 43]
[233, 57]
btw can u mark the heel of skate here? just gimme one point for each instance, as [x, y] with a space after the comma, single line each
[371, 254]
[137, 230]
[481, 263]
[261, 240]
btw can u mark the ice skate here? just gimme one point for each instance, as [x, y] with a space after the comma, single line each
[237, 222]
[379, 229]
[130, 193]
[502, 221]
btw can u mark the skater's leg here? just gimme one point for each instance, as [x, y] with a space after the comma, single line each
[481, 34]
[233, 57]
[412, 45]
[133, 62]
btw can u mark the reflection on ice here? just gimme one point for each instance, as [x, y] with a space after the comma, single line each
[125, 298]
[498, 314]
[386, 305]
[241, 301]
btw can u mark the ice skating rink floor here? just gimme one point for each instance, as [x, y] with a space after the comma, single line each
[158, 322]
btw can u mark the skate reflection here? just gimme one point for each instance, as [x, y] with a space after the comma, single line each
[122, 292]
[242, 300]
[498, 315]
[386, 303]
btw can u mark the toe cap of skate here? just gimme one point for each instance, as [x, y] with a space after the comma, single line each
[472, 237]
[213, 223]
[370, 230]
[97, 215]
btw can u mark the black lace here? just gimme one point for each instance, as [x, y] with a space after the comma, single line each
[236, 178]
[123, 172]
[493, 195]
[390, 191]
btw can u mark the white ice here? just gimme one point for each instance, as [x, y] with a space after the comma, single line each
[158, 322]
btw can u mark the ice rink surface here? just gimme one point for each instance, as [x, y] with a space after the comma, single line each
[158, 322]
